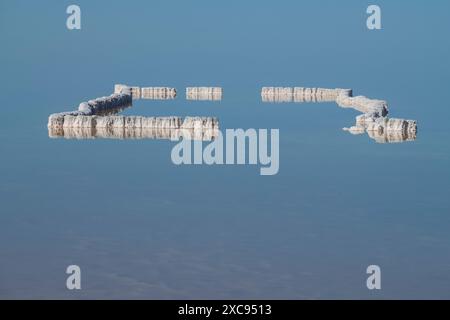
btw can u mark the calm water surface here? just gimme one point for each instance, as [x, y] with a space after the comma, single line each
[141, 227]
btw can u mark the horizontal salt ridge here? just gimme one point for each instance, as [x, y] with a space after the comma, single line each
[152, 93]
[204, 93]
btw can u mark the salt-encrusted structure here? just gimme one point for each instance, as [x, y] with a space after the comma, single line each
[104, 105]
[385, 136]
[98, 118]
[134, 91]
[374, 119]
[299, 94]
[158, 93]
[277, 94]
[385, 130]
[204, 93]
[124, 122]
[135, 127]
[151, 93]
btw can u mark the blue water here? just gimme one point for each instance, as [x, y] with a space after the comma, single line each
[141, 227]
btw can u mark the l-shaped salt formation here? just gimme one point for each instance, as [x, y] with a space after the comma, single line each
[90, 117]
[374, 119]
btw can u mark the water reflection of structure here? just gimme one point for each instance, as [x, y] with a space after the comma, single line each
[374, 119]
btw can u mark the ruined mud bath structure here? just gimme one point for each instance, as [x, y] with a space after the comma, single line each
[98, 118]
[374, 118]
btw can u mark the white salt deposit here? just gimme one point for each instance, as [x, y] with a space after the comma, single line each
[374, 119]
[204, 93]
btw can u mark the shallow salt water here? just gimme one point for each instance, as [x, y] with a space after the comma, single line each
[141, 227]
